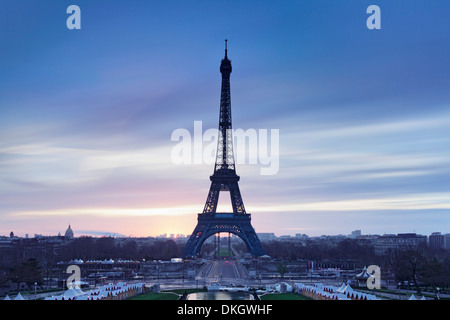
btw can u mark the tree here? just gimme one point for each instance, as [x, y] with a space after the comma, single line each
[28, 272]
[104, 248]
[129, 250]
[436, 274]
[281, 269]
[409, 265]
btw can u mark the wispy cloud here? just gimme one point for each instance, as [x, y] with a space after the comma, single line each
[99, 233]
[111, 212]
[407, 202]
[411, 147]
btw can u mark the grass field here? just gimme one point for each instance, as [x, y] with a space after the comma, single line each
[224, 252]
[283, 296]
[172, 295]
[156, 296]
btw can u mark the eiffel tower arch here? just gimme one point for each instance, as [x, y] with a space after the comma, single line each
[224, 179]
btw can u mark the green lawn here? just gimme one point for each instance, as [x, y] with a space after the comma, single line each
[175, 295]
[224, 252]
[283, 296]
[172, 295]
[156, 296]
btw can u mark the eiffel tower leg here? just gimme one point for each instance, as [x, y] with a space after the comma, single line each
[212, 199]
[236, 199]
[192, 248]
[209, 225]
[251, 239]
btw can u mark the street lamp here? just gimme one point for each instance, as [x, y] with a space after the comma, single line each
[142, 270]
[399, 298]
[182, 276]
[157, 269]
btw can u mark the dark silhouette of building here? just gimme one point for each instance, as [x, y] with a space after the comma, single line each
[436, 241]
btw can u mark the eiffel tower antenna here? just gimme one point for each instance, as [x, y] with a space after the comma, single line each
[224, 179]
[226, 49]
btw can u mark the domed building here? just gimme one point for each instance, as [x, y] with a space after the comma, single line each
[69, 233]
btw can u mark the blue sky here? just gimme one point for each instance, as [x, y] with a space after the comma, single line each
[86, 115]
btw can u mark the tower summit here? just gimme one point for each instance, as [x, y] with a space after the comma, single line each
[225, 179]
[225, 66]
[225, 155]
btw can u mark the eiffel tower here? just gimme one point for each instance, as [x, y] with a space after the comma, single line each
[224, 178]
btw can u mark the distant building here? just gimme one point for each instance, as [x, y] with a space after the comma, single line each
[355, 234]
[436, 241]
[399, 242]
[266, 236]
[6, 242]
[69, 233]
[447, 241]
[301, 236]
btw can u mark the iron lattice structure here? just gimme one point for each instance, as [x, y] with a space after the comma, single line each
[224, 178]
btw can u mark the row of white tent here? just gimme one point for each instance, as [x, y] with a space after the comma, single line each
[344, 292]
[414, 298]
[107, 291]
[110, 290]
[105, 261]
[79, 261]
[18, 297]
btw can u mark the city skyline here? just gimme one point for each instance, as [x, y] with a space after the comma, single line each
[86, 116]
[265, 236]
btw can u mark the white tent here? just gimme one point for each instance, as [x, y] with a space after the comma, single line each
[7, 298]
[298, 286]
[342, 287]
[346, 289]
[70, 293]
[78, 290]
[19, 297]
[412, 297]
